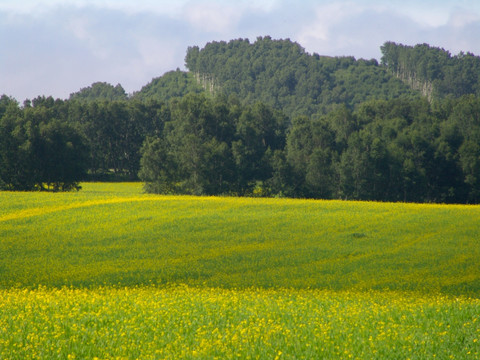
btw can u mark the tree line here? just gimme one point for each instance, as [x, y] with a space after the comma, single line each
[386, 150]
[38, 150]
[390, 150]
[55, 144]
[241, 123]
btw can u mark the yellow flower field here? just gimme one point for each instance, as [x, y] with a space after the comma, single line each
[113, 234]
[112, 273]
[203, 323]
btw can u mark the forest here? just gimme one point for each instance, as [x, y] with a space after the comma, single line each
[264, 119]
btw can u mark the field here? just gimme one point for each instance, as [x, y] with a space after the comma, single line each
[109, 272]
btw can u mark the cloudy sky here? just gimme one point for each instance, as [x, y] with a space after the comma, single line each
[56, 47]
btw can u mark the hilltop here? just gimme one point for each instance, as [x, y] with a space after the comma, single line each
[282, 74]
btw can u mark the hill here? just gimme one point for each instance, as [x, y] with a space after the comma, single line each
[282, 74]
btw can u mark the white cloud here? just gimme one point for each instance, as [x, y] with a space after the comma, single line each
[462, 18]
[434, 13]
[212, 16]
[327, 16]
[79, 27]
[55, 47]
[83, 30]
[165, 7]
[359, 28]
[157, 53]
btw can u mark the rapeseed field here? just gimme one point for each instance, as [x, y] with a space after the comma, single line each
[183, 322]
[112, 234]
[112, 273]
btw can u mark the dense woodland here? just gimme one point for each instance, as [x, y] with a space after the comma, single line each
[264, 119]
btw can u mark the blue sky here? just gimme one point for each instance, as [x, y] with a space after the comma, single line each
[56, 47]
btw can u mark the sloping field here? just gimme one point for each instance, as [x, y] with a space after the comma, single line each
[112, 234]
[111, 273]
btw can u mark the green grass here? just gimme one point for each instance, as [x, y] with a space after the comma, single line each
[112, 273]
[112, 234]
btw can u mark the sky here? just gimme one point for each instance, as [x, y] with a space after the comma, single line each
[56, 47]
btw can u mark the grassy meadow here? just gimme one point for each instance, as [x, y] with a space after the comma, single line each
[110, 272]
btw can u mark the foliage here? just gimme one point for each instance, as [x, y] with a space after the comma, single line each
[281, 74]
[100, 91]
[170, 85]
[115, 132]
[212, 146]
[391, 150]
[37, 151]
[432, 70]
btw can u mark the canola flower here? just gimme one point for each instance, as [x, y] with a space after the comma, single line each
[112, 234]
[83, 276]
[182, 322]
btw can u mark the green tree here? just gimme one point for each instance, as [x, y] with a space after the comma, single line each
[259, 132]
[100, 91]
[15, 172]
[38, 151]
[299, 147]
[61, 157]
[320, 175]
[469, 155]
[170, 85]
[157, 167]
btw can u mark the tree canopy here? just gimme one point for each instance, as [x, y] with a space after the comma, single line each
[37, 149]
[433, 71]
[282, 74]
[170, 85]
[386, 150]
[100, 91]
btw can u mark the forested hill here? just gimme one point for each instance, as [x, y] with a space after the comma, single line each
[282, 74]
[433, 71]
